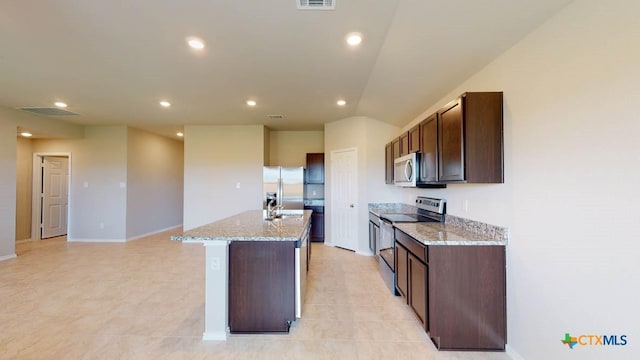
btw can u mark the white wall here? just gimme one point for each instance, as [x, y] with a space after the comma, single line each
[366, 135]
[572, 165]
[99, 160]
[24, 175]
[7, 188]
[216, 159]
[289, 148]
[155, 177]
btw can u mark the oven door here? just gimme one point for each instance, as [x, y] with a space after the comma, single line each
[386, 244]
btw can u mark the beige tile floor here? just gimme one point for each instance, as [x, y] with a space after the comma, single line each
[145, 300]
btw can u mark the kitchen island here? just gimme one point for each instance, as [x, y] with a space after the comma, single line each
[255, 272]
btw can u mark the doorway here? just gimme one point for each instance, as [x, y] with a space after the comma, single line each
[50, 200]
[344, 195]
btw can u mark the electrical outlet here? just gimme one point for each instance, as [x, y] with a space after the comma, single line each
[101, 225]
[215, 263]
[237, 185]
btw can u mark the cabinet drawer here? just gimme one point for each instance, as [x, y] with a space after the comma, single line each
[413, 246]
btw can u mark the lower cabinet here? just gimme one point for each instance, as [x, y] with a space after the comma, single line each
[317, 223]
[402, 283]
[458, 292]
[261, 286]
[417, 298]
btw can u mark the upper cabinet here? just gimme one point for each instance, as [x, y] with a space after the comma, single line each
[414, 139]
[388, 163]
[461, 142]
[470, 139]
[395, 147]
[315, 168]
[404, 144]
[429, 149]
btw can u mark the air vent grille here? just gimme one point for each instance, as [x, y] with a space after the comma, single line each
[48, 111]
[275, 116]
[316, 4]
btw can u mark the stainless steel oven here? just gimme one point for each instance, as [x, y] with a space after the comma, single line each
[426, 210]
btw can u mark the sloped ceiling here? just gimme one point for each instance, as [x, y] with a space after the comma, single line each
[113, 61]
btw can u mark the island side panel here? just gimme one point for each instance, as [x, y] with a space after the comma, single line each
[261, 286]
[216, 278]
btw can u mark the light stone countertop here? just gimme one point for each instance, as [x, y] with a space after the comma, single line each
[446, 234]
[249, 226]
[391, 208]
[454, 231]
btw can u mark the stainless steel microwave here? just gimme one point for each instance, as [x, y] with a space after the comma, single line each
[405, 170]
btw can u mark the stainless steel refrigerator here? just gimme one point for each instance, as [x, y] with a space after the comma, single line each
[285, 186]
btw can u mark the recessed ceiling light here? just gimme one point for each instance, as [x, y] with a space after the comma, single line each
[195, 43]
[26, 134]
[354, 39]
[251, 102]
[341, 102]
[165, 103]
[179, 134]
[60, 104]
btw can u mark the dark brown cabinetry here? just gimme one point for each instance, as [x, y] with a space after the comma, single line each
[388, 163]
[470, 139]
[317, 223]
[429, 149]
[395, 144]
[414, 139]
[462, 142]
[261, 286]
[404, 144]
[417, 278]
[402, 283]
[315, 168]
[457, 292]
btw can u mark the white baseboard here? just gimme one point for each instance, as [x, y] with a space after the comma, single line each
[364, 253]
[98, 240]
[512, 353]
[215, 335]
[154, 232]
[8, 257]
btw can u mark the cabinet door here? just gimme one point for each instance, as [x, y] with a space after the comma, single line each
[450, 137]
[317, 227]
[414, 139]
[315, 168]
[418, 289]
[388, 163]
[396, 148]
[404, 144]
[429, 149]
[401, 270]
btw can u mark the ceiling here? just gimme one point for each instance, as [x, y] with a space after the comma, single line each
[113, 61]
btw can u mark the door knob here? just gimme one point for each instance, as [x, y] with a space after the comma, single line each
[351, 205]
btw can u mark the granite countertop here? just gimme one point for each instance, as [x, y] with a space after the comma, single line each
[391, 208]
[249, 226]
[454, 231]
[447, 234]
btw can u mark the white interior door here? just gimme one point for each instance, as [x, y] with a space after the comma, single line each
[344, 208]
[55, 197]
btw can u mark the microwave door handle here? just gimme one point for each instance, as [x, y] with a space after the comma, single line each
[407, 170]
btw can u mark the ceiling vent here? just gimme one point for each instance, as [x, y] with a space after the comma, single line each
[275, 116]
[48, 111]
[316, 4]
